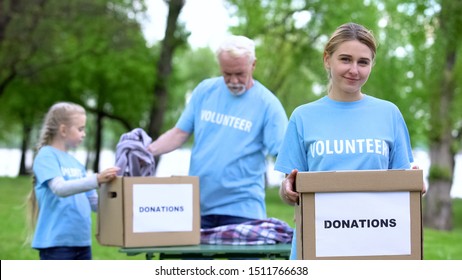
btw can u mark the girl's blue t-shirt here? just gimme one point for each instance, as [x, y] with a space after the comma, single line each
[232, 137]
[327, 135]
[62, 221]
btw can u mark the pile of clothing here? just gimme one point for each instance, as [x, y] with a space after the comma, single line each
[257, 232]
[132, 155]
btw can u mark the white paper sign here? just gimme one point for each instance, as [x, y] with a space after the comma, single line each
[362, 224]
[162, 207]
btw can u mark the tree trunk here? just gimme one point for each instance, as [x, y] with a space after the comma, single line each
[164, 68]
[438, 202]
[8, 9]
[438, 211]
[438, 214]
[438, 206]
[98, 140]
[26, 131]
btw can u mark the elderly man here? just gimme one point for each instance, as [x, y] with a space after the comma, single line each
[236, 123]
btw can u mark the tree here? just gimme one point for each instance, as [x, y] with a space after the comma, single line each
[78, 50]
[416, 40]
[190, 67]
[290, 37]
[174, 37]
[446, 117]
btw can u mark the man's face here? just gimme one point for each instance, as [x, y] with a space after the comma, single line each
[237, 72]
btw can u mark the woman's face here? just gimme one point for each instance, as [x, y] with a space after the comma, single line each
[349, 67]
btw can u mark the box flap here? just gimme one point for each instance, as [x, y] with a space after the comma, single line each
[360, 180]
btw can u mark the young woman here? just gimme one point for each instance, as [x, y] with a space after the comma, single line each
[63, 195]
[374, 129]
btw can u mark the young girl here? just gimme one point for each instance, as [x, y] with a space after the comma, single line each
[63, 196]
[344, 114]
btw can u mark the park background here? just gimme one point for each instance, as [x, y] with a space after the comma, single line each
[102, 54]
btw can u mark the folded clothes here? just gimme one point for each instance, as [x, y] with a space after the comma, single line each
[255, 232]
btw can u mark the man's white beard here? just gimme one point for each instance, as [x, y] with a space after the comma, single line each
[236, 89]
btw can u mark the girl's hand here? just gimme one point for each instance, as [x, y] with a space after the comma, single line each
[107, 175]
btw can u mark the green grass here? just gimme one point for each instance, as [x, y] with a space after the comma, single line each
[438, 245]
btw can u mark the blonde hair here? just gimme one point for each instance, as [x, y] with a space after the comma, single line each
[59, 113]
[238, 46]
[350, 32]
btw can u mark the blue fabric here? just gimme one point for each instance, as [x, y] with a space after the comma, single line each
[62, 221]
[293, 248]
[211, 221]
[66, 253]
[328, 135]
[232, 137]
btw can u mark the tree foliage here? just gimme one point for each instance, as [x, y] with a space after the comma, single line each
[416, 65]
[93, 52]
[89, 52]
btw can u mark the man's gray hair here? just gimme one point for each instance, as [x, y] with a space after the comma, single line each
[238, 46]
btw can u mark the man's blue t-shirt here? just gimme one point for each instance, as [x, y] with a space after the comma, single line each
[232, 137]
[62, 221]
[327, 135]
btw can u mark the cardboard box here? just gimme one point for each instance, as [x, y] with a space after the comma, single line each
[363, 215]
[149, 211]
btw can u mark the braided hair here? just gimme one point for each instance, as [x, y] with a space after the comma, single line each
[60, 113]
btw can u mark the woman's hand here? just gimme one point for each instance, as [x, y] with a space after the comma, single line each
[287, 190]
[424, 188]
